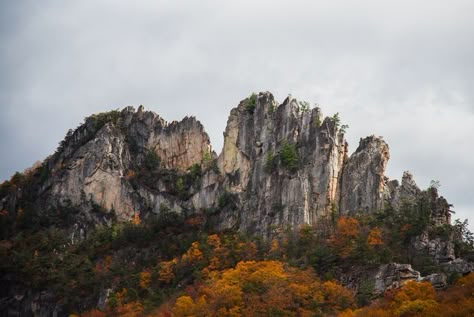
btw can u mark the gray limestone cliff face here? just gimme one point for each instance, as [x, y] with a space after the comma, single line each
[407, 191]
[432, 242]
[273, 192]
[94, 173]
[179, 145]
[393, 275]
[363, 184]
[96, 164]
[282, 165]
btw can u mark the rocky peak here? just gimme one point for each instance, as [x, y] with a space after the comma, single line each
[178, 144]
[408, 189]
[283, 161]
[363, 183]
[393, 275]
[440, 208]
[93, 165]
[282, 165]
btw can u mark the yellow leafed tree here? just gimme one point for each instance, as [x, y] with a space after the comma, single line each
[136, 219]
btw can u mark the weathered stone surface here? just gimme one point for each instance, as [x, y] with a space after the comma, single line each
[250, 187]
[95, 166]
[459, 266]
[440, 249]
[94, 173]
[438, 280]
[408, 191]
[440, 208]
[270, 193]
[363, 183]
[393, 275]
[179, 145]
[386, 277]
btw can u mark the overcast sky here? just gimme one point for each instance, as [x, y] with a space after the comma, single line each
[400, 69]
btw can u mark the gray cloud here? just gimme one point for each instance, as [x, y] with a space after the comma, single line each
[400, 69]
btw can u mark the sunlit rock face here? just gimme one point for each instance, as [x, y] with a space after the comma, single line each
[272, 192]
[281, 166]
[363, 184]
[94, 165]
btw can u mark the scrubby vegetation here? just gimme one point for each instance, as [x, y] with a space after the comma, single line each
[289, 156]
[174, 265]
[342, 128]
[152, 161]
[177, 265]
[152, 174]
[100, 119]
[251, 103]
[317, 122]
[270, 162]
[304, 106]
[420, 299]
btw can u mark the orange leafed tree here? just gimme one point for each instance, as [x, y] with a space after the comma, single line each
[347, 230]
[145, 279]
[347, 227]
[214, 241]
[268, 288]
[374, 237]
[123, 308]
[166, 273]
[193, 254]
[420, 299]
[136, 219]
[184, 306]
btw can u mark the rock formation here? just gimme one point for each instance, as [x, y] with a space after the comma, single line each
[280, 166]
[276, 190]
[393, 275]
[363, 183]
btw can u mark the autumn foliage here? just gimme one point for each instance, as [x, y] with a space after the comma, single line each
[264, 288]
[347, 230]
[420, 299]
[375, 237]
[173, 266]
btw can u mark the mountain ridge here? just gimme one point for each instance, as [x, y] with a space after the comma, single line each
[283, 168]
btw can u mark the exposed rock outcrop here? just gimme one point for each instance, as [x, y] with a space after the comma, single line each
[95, 166]
[393, 275]
[363, 183]
[459, 266]
[408, 191]
[280, 166]
[272, 190]
[94, 173]
[440, 249]
[438, 280]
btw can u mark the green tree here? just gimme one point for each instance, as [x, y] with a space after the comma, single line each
[289, 156]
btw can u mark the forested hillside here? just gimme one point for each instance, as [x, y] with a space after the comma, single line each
[136, 216]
